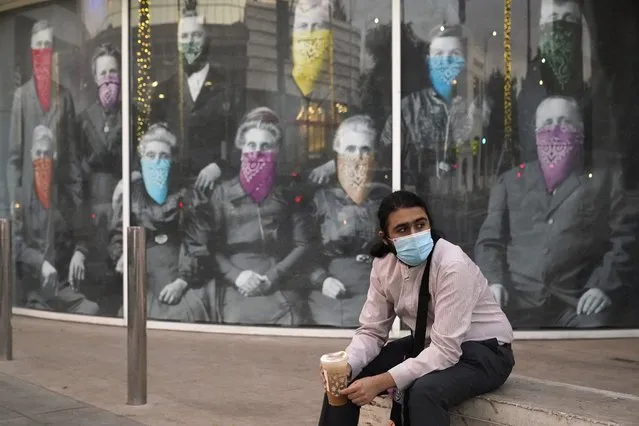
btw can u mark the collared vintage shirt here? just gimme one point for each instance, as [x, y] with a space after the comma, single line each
[462, 308]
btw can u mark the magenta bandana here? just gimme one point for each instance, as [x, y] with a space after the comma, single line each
[558, 146]
[257, 174]
[109, 91]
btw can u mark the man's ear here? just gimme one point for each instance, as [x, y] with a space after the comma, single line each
[382, 237]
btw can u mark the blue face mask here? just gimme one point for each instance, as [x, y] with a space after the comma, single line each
[443, 71]
[155, 175]
[414, 249]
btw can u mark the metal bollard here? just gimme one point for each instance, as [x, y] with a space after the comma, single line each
[136, 333]
[6, 290]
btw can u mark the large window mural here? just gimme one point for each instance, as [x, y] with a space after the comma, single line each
[275, 108]
[62, 145]
[261, 141]
[516, 170]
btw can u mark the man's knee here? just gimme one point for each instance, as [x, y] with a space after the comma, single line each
[426, 403]
[425, 392]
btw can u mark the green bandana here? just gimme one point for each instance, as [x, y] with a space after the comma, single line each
[191, 51]
[560, 47]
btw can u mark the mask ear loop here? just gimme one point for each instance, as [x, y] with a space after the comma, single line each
[389, 243]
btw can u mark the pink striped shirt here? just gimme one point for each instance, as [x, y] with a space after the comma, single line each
[462, 308]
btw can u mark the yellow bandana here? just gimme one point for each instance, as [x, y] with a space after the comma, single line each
[310, 50]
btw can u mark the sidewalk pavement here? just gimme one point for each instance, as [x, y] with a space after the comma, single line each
[24, 404]
[215, 379]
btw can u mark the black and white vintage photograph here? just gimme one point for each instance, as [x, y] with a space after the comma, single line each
[518, 175]
[64, 161]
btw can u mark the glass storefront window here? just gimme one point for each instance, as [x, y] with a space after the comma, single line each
[502, 139]
[63, 143]
[261, 146]
[259, 167]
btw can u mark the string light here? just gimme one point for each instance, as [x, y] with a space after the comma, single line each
[143, 63]
[508, 119]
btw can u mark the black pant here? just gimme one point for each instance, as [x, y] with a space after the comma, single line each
[483, 367]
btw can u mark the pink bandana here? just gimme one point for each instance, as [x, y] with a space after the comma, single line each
[257, 174]
[109, 91]
[558, 146]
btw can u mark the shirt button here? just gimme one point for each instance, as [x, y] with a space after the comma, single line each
[551, 221]
[546, 251]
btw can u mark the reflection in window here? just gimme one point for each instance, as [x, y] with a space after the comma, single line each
[143, 66]
[312, 126]
[315, 125]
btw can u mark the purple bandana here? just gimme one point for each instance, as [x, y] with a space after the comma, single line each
[109, 91]
[257, 174]
[558, 146]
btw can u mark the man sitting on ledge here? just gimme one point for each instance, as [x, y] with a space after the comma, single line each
[437, 291]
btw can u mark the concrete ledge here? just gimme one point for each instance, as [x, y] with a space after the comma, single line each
[524, 401]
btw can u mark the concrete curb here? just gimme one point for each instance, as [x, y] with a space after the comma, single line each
[525, 401]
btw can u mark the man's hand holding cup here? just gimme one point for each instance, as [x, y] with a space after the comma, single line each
[336, 373]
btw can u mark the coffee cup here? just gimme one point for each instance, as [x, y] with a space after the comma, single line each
[336, 373]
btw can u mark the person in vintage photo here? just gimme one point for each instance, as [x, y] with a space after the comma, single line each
[312, 40]
[160, 204]
[196, 103]
[257, 232]
[100, 154]
[436, 121]
[560, 45]
[49, 253]
[346, 216]
[554, 243]
[42, 101]
[556, 69]
[439, 122]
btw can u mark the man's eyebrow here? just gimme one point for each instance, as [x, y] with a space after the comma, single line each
[421, 219]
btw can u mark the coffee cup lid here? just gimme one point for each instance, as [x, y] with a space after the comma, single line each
[340, 356]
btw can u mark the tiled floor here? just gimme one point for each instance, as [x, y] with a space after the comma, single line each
[24, 404]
